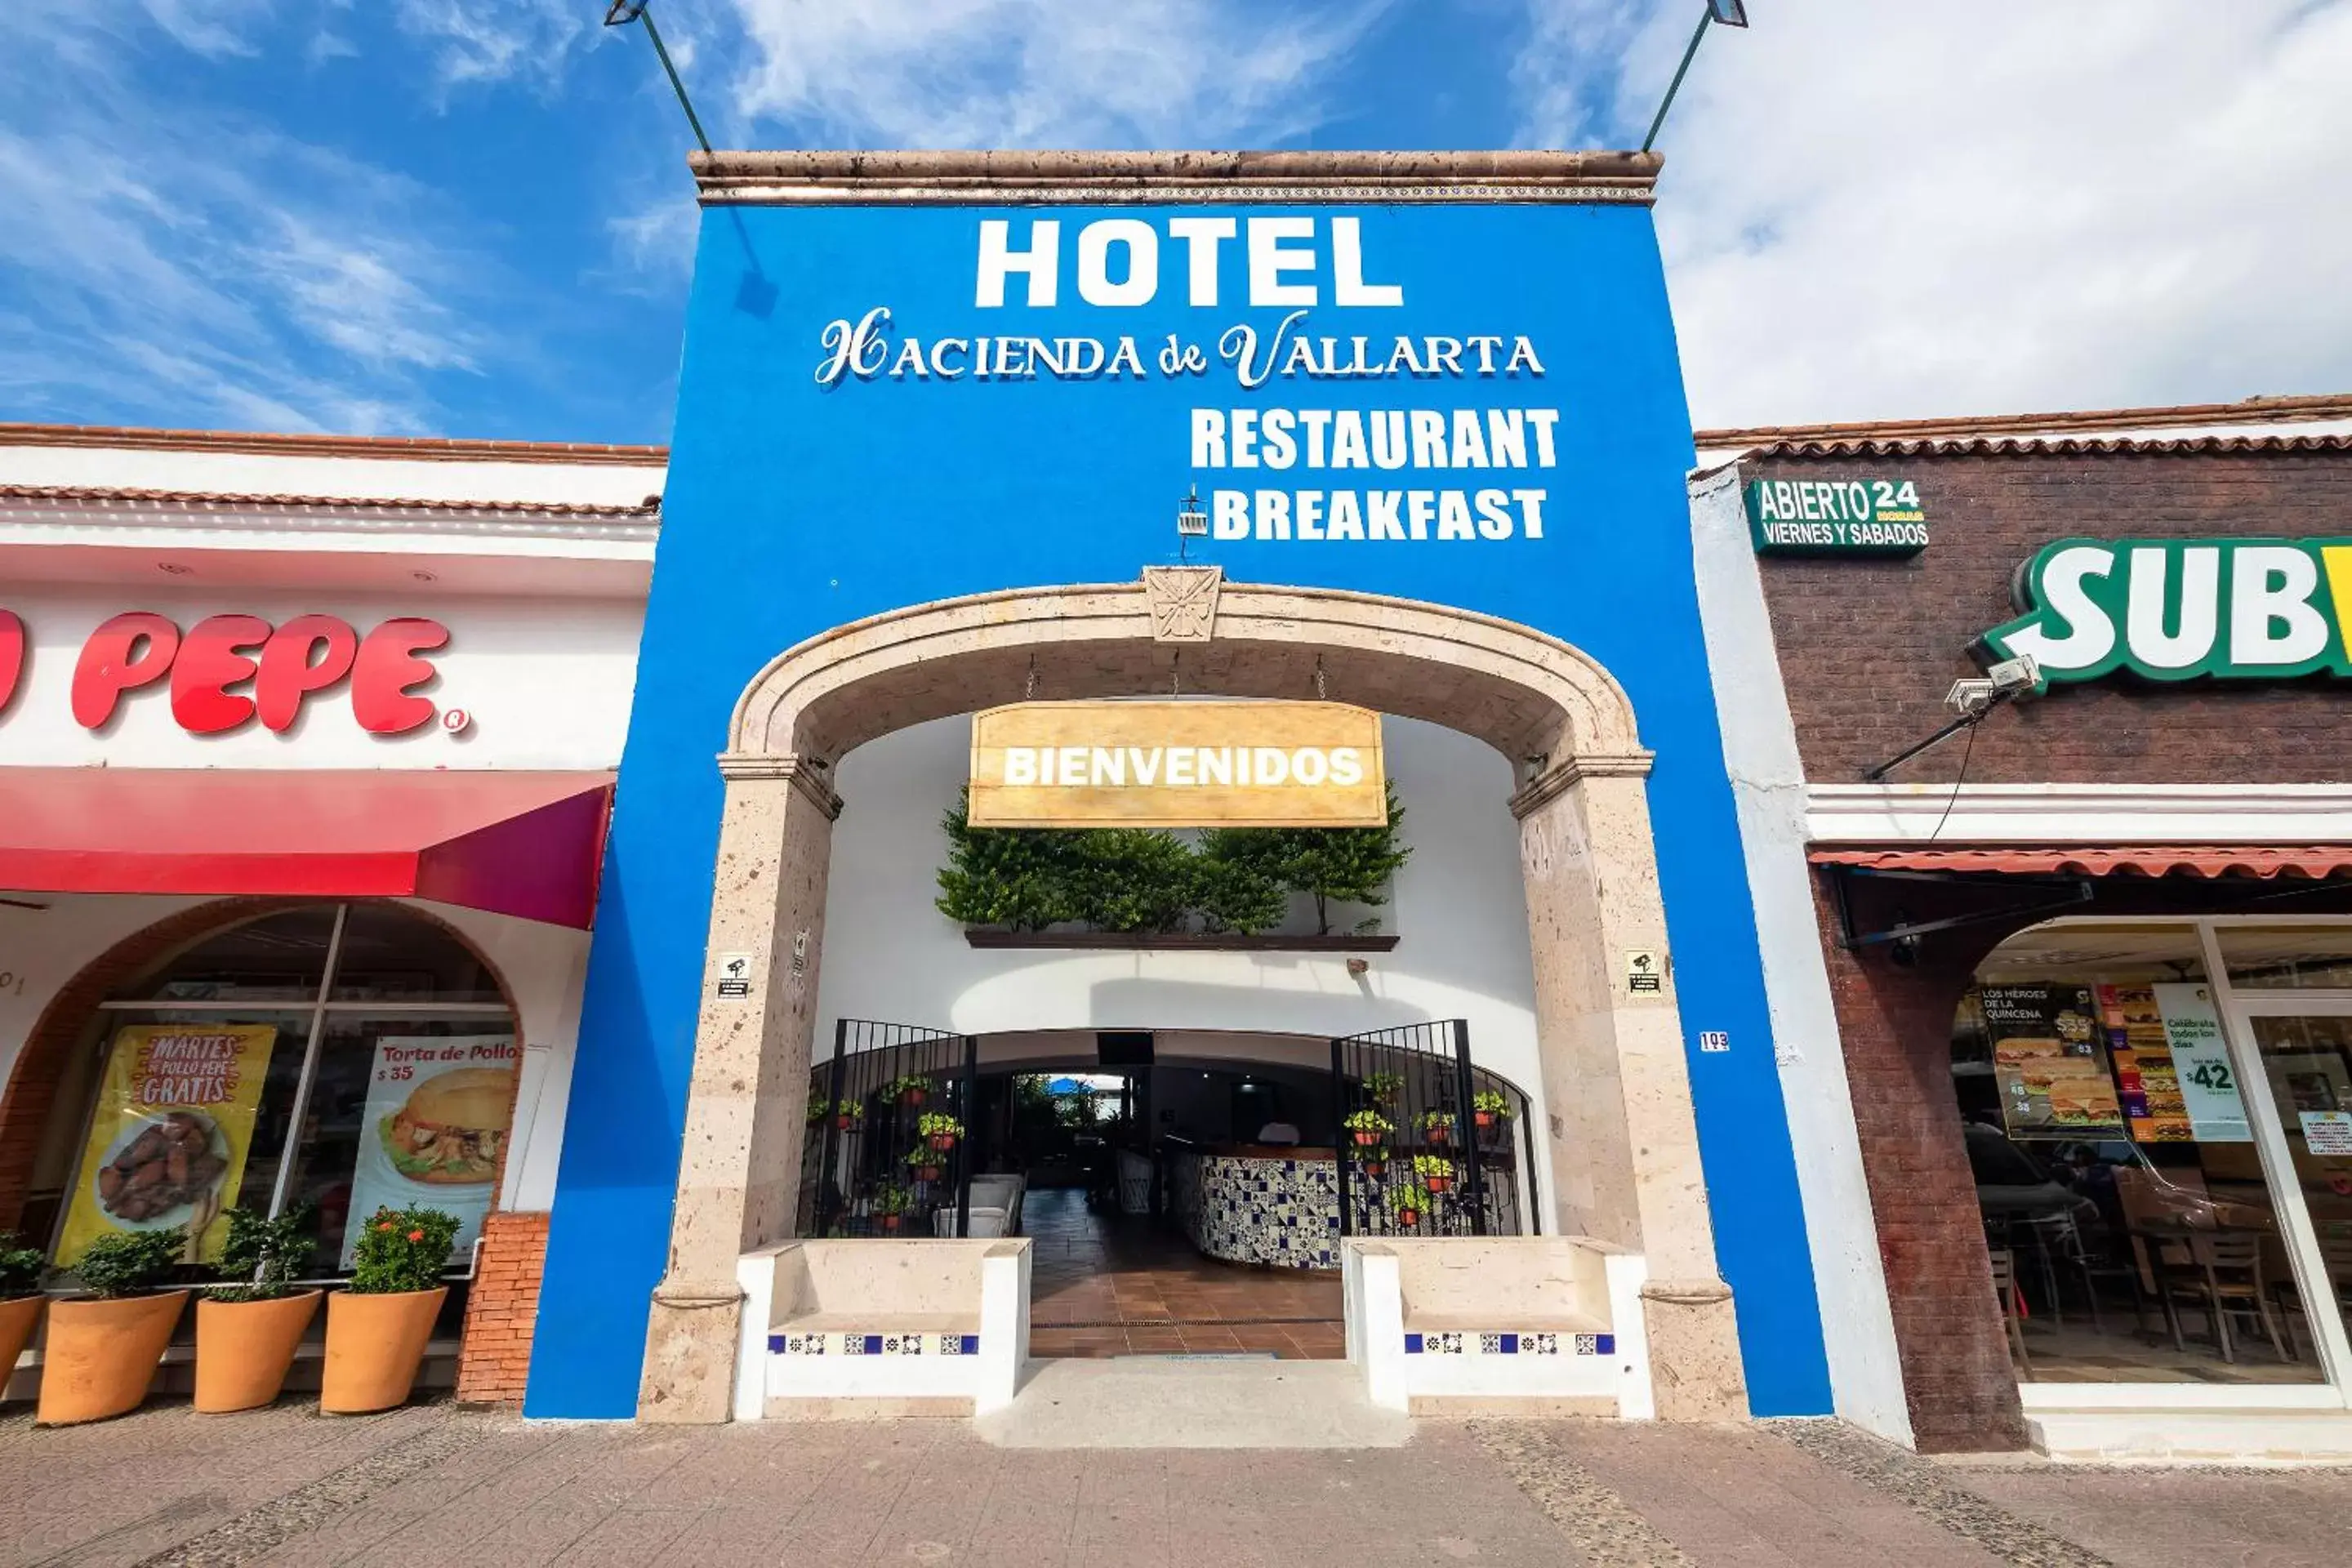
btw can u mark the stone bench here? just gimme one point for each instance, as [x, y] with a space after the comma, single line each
[1506, 1325]
[871, 1328]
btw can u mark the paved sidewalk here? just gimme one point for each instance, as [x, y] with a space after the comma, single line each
[437, 1484]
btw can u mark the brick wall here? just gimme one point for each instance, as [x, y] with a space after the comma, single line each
[494, 1358]
[1868, 650]
[1869, 647]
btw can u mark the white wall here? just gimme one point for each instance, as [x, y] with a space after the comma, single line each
[44, 946]
[1459, 908]
[1767, 784]
[545, 681]
[340, 471]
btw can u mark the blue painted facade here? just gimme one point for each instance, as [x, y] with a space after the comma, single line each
[795, 504]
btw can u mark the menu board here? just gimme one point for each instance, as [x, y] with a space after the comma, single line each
[2146, 1080]
[433, 1129]
[2049, 1063]
[167, 1147]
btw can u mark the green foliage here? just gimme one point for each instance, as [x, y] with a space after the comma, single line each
[402, 1250]
[1368, 1121]
[1350, 865]
[1144, 879]
[1019, 878]
[20, 1267]
[1407, 1198]
[1437, 1165]
[1491, 1103]
[914, 1084]
[891, 1198]
[933, 1125]
[127, 1262]
[1383, 1088]
[263, 1256]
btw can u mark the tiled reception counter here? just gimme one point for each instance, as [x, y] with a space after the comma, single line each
[1263, 1203]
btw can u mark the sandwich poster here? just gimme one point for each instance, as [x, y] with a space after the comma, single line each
[2047, 1061]
[433, 1129]
[167, 1149]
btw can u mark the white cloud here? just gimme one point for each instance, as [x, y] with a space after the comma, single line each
[496, 40]
[1873, 210]
[1050, 73]
[164, 260]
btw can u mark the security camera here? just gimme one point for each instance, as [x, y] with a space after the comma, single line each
[2014, 674]
[2007, 681]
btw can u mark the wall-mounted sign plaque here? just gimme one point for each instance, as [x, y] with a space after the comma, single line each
[1836, 517]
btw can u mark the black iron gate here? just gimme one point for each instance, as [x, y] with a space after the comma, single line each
[887, 1150]
[1430, 1144]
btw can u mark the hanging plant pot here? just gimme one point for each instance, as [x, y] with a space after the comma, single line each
[943, 1141]
[844, 1123]
[103, 1356]
[1366, 1140]
[927, 1173]
[1373, 1168]
[1408, 1217]
[1439, 1184]
[913, 1097]
[1484, 1118]
[375, 1342]
[244, 1349]
[891, 1221]
[1439, 1135]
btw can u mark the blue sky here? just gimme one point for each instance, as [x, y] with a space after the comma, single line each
[471, 216]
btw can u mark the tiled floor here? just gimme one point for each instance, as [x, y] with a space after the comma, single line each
[1103, 1285]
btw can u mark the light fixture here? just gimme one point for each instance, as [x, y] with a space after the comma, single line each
[1719, 13]
[1728, 12]
[1191, 522]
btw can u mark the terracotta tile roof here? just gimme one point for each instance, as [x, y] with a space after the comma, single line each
[2035, 427]
[2067, 447]
[410, 448]
[2112, 861]
[648, 508]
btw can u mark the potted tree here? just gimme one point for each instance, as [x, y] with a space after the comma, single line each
[377, 1329]
[911, 1089]
[940, 1131]
[923, 1164]
[1409, 1204]
[1488, 1109]
[1368, 1129]
[1434, 1171]
[246, 1330]
[103, 1352]
[891, 1204]
[1437, 1127]
[20, 1301]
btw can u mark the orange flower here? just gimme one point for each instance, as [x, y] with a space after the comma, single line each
[384, 1225]
[417, 1236]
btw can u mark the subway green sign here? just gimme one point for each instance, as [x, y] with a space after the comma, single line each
[1835, 516]
[2266, 609]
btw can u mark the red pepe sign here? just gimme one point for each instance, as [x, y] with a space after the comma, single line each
[12, 657]
[282, 665]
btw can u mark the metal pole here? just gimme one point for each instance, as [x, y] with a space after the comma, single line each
[310, 1066]
[831, 1121]
[1657, 125]
[677, 87]
[1340, 1141]
[1466, 1124]
[964, 1145]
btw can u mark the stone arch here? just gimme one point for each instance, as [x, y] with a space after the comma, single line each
[1624, 1144]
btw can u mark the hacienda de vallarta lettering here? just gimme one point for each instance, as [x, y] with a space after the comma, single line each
[1117, 265]
[2263, 609]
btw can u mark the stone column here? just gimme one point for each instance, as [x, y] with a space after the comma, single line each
[738, 1172]
[1624, 1143]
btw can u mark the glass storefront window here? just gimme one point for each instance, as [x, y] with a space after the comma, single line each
[382, 1075]
[2134, 1238]
[2287, 958]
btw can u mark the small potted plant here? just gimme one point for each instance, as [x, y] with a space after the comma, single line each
[1434, 1171]
[911, 1089]
[847, 1115]
[20, 1301]
[246, 1330]
[818, 1110]
[923, 1164]
[891, 1204]
[1437, 1127]
[1383, 1088]
[377, 1329]
[1368, 1129]
[1373, 1161]
[1409, 1204]
[940, 1131]
[103, 1352]
[1489, 1108]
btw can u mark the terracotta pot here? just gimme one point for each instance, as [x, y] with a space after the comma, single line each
[103, 1356]
[1437, 1135]
[942, 1140]
[1367, 1139]
[1373, 1167]
[1484, 1118]
[927, 1173]
[844, 1123]
[244, 1349]
[1439, 1184]
[912, 1097]
[18, 1316]
[889, 1222]
[375, 1345]
[1408, 1217]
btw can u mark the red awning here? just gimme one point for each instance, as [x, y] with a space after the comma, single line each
[527, 843]
[2104, 860]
